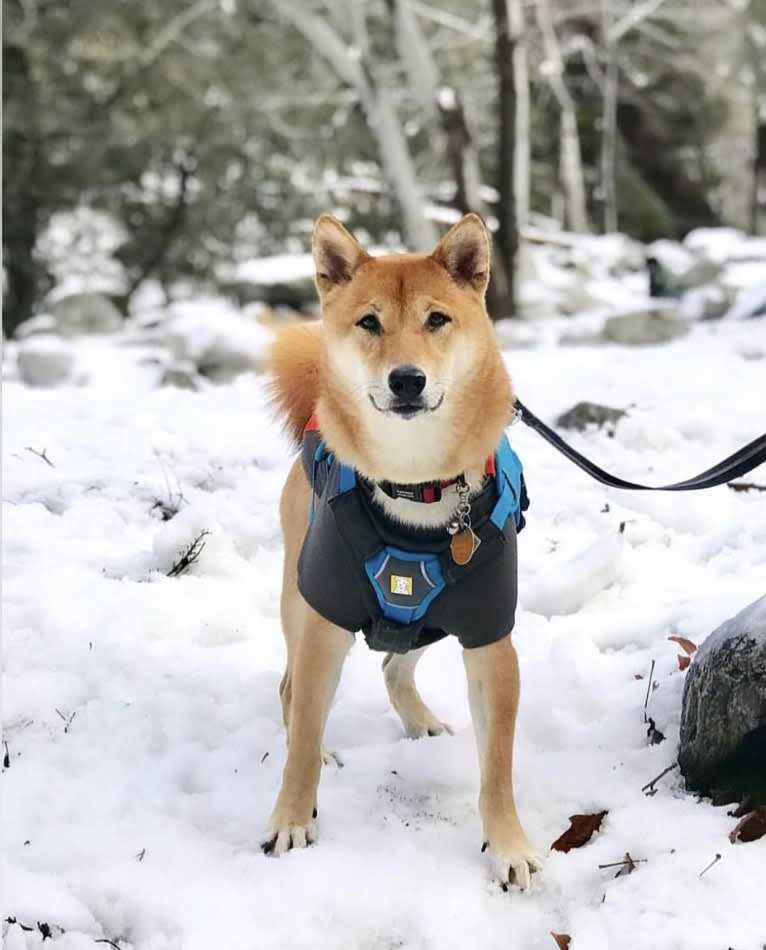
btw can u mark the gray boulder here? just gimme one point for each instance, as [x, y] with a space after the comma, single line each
[45, 360]
[644, 327]
[723, 719]
[78, 314]
[585, 414]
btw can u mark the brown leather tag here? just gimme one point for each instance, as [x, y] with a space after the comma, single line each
[463, 546]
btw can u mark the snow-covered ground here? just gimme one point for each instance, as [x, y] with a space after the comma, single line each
[141, 713]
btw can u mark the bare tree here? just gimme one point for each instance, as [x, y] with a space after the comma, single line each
[507, 227]
[352, 65]
[609, 123]
[522, 145]
[443, 105]
[572, 177]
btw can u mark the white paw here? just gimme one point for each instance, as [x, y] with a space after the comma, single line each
[419, 728]
[514, 865]
[331, 758]
[285, 837]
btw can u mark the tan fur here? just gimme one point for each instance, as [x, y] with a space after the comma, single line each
[340, 371]
[294, 366]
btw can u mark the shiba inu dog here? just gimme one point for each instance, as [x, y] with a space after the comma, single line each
[400, 398]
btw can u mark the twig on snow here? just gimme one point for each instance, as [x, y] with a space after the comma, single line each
[648, 691]
[41, 455]
[110, 942]
[715, 860]
[650, 785]
[189, 556]
[6, 756]
[67, 720]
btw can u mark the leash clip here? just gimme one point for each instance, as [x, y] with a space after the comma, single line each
[462, 519]
[517, 415]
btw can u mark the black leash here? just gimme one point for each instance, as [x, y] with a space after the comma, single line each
[742, 461]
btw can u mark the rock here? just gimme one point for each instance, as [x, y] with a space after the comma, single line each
[709, 302]
[750, 303]
[723, 717]
[45, 360]
[182, 376]
[584, 414]
[78, 314]
[644, 327]
[216, 339]
[42, 323]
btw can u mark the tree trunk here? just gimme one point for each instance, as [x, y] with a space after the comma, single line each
[609, 126]
[507, 230]
[419, 233]
[443, 106]
[24, 275]
[572, 177]
[522, 145]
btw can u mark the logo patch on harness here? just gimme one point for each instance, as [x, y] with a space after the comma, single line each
[401, 585]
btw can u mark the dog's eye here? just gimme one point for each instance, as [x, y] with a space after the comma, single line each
[436, 320]
[370, 323]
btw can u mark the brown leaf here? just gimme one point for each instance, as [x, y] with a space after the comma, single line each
[653, 734]
[683, 661]
[581, 830]
[562, 940]
[685, 644]
[638, 676]
[751, 827]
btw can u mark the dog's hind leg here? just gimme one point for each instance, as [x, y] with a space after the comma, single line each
[316, 663]
[399, 674]
[493, 694]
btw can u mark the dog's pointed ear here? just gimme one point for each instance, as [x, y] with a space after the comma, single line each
[336, 253]
[464, 252]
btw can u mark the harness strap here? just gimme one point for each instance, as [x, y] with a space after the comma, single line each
[734, 466]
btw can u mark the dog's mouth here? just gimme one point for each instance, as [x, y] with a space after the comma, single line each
[407, 410]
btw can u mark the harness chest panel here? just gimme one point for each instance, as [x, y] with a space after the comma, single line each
[362, 570]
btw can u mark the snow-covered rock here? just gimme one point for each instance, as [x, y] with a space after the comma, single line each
[84, 313]
[45, 360]
[216, 338]
[708, 302]
[644, 327]
[751, 302]
[723, 721]
[181, 375]
[42, 323]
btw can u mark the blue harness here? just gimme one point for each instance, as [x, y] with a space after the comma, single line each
[362, 570]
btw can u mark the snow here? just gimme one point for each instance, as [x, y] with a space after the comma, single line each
[141, 711]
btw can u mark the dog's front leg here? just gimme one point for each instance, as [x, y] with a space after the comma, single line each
[493, 693]
[315, 672]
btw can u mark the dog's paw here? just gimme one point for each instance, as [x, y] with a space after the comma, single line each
[283, 836]
[430, 726]
[514, 862]
[331, 758]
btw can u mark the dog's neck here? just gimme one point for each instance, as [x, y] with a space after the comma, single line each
[432, 515]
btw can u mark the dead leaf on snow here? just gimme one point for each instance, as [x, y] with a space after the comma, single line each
[751, 827]
[562, 940]
[581, 830]
[685, 644]
[683, 661]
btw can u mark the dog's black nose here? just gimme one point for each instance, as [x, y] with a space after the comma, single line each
[406, 382]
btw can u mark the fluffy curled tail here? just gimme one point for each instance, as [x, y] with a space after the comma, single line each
[294, 367]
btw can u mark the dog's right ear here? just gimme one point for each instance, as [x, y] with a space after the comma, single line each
[336, 253]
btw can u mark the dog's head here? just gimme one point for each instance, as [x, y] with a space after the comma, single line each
[409, 361]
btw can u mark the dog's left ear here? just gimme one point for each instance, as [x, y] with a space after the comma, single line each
[464, 252]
